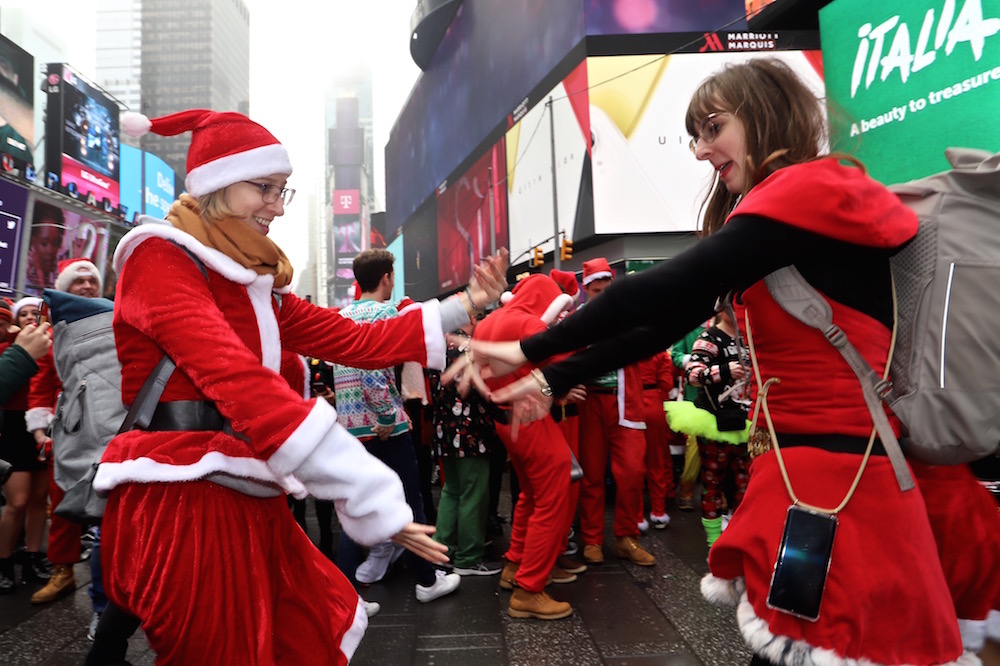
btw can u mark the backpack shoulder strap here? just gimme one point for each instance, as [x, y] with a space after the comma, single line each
[799, 299]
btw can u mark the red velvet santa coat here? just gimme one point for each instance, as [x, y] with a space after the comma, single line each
[886, 600]
[226, 334]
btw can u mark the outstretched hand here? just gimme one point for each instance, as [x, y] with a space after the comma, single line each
[416, 538]
[489, 279]
[35, 340]
[526, 400]
[480, 361]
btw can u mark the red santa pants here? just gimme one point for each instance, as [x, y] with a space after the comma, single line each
[570, 428]
[219, 577]
[659, 465]
[540, 458]
[64, 535]
[600, 435]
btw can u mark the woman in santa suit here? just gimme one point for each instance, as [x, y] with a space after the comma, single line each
[776, 201]
[198, 540]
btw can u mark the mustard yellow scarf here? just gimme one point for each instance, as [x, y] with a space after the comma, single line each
[234, 238]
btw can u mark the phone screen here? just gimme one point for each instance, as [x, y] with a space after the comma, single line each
[803, 562]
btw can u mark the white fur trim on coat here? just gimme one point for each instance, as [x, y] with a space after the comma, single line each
[973, 634]
[352, 637]
[622, 421]
[437, 347]
[38, 418]
[782, 649]
[259, 162]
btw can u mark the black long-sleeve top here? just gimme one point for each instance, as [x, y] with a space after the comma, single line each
[665, 302]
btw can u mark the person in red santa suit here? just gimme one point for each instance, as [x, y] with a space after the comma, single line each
[198, 540]
[566, 414]
[611, 426]
[540, 457]
[886, 599]
[657, 374]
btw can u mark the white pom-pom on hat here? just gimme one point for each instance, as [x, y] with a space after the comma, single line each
[135, 124]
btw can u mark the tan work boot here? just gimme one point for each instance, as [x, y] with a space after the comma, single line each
[559, 576]
[61, 583]
[629, 548]
[569, 565]
[593, 553]
[507, 575]
[538, 605]
[685, 496]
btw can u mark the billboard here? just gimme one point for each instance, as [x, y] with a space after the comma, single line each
[645, 178]
[464, 218]
[348, 241]
[81, 139]
[58, 234]
[657, 16]
[911, 79]
[13, 203]
[529, 183]
[420, 254]
[159, 192]
[17, 105]
[130, 182]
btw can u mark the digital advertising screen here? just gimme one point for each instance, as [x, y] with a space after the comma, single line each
[58, 234]
[130, 191]
[420, 254]
[159, 190]
[398, 268]
[13, 204]
[17, 103]
[82, 147]
[619, 17]
[529, 186]
[645, 178]
[464, 217]
[348, 241]
[908, 80]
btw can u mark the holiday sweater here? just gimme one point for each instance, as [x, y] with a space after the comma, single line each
[366, 398]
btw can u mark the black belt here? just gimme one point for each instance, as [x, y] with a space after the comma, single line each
[189, 415]
[560, 412]
[605, 390]
[502, 416]
[833, 443]
[650, 387]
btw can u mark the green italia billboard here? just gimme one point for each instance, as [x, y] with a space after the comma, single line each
[906, 79]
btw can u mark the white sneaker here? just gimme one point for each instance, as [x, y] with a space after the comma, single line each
[371, 607]
[92, 628]
[726, 517]
[446, 583]
[379, 559]
[644, 526]
[659, 522]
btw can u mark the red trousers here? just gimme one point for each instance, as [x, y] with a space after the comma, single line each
[659, 465]
[64, 535]
[540, 458]
[570, 427]
[601, 436]
[218, 577]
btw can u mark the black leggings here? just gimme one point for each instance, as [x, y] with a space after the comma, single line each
[111, 638]
[761, 661]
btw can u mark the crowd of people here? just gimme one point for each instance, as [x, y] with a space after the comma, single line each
[566, 393]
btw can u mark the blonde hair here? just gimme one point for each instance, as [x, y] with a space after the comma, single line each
[215, 207]
[782, 119]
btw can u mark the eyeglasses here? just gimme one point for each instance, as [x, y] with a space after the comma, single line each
[271, 193]
[708, 132]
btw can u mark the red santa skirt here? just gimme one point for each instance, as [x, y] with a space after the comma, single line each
[886, 600]
[219, 577]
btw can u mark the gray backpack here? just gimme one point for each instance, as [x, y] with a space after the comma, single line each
[945, 371]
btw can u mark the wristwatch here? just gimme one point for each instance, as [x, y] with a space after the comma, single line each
[542, 384]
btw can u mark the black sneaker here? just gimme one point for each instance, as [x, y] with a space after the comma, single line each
[481, 569]
[36, 568]
[6, 575]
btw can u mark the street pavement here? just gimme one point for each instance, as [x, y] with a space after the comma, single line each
[625, 615]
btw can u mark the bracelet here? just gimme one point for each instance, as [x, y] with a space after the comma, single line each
[542, 383]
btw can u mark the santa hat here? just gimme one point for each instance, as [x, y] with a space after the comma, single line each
[541, 295]
[596, 269]
[71, 269]
[355, 291]
[27, 300]
[226, 147]
[566, 281]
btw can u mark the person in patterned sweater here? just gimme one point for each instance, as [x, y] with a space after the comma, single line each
[370, 408]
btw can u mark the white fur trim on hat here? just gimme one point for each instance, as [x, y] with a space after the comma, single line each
[257, 162]
[27, 300]
[81, 268]
[556, 307]
[600, 275]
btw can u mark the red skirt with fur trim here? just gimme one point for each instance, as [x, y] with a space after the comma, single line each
[218, 577]
[886, 600]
